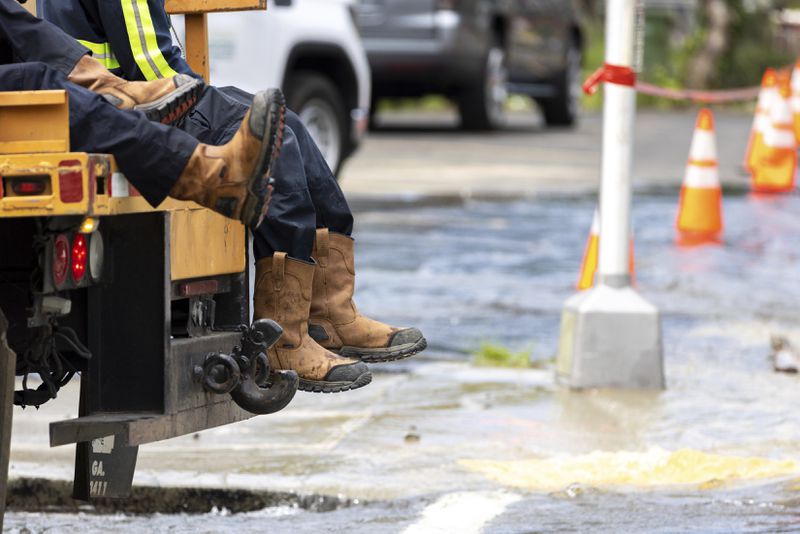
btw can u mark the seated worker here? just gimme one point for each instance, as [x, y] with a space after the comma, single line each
[160, 160]
[305, 275]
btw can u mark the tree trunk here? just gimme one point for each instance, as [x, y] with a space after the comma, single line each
[702, 67]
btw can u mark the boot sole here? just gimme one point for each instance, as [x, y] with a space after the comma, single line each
[170, 108]
[319, 386]
[258, 187]
[388, 354]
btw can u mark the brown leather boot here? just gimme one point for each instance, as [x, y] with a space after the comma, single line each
[283, 294]
[165, 100]
[233, 179]
[335, 322]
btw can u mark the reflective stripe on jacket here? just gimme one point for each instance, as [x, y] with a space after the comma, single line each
[137, 31]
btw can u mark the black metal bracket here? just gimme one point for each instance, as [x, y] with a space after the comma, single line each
[246, 375]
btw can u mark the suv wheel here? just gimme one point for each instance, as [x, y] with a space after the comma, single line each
[320, 106]
[482, 107]
[563, 109]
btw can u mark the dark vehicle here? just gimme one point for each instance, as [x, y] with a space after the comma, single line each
[476, 52]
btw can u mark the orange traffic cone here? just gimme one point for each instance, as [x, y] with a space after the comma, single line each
[700, 208]
[591, 254]
[761, 119]
[796, 99]
[775, 170]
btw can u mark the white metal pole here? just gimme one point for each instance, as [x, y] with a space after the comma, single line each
[610, 335]
[618, 121]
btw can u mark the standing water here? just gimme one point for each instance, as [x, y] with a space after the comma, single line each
[507, 450]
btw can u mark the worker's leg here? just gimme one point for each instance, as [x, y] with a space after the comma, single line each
[292, 218]
[25, 38]
[151, 155]
[309, 217]
[306, 197]
[293, 215]
[160, 160]
[329, 201]
[283, 243]
[330, 205]
[32, 39]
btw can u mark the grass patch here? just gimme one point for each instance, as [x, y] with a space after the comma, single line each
[494, 355]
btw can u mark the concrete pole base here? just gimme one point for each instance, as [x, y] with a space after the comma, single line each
[610, 338]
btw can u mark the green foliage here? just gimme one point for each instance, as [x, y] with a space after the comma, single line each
[752, 47]
[494, 355]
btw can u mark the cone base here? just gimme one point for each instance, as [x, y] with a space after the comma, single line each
[700, 213]
[693, 239]
[776, 173]
[772, 190]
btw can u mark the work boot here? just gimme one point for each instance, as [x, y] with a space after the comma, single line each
[335, 322]
[165, 100]
[233, 179]
[283, 294]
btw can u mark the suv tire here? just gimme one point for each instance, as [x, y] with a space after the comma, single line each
[563, 109]
[482, 105]
[321, 108]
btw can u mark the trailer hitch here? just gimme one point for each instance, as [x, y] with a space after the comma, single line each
[246, 374]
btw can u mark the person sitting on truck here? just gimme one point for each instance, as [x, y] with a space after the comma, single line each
[164, 161]
[288, 303]
[305, 276]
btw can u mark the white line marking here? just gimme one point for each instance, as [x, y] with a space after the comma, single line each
[465, 512]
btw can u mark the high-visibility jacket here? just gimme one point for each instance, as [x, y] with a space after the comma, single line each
[130, 37]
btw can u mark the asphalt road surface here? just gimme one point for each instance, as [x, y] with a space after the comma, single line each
[423, 153]
[440, 444]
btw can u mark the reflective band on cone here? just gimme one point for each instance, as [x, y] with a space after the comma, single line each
[591, 253]
[755, 145]
[589, 263]
[774, 172]
[700, 208]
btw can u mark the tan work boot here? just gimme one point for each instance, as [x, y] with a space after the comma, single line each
[335, 322]
[283, 294]
[165, 100]
[233, 179]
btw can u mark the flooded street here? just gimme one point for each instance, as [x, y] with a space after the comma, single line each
[438, 444]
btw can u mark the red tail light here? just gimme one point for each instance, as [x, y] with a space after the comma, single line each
[60, 261]
[25, 186]
[70, 180]
[79, 255]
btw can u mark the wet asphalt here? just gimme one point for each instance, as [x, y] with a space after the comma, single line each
[437, 444]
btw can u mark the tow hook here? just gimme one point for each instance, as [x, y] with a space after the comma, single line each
[246, 374]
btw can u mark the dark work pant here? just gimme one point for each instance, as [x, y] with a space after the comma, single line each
[25, 38]
[306, 195]
[151, 155]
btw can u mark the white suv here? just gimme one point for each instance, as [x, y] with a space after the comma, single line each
[311, 49]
